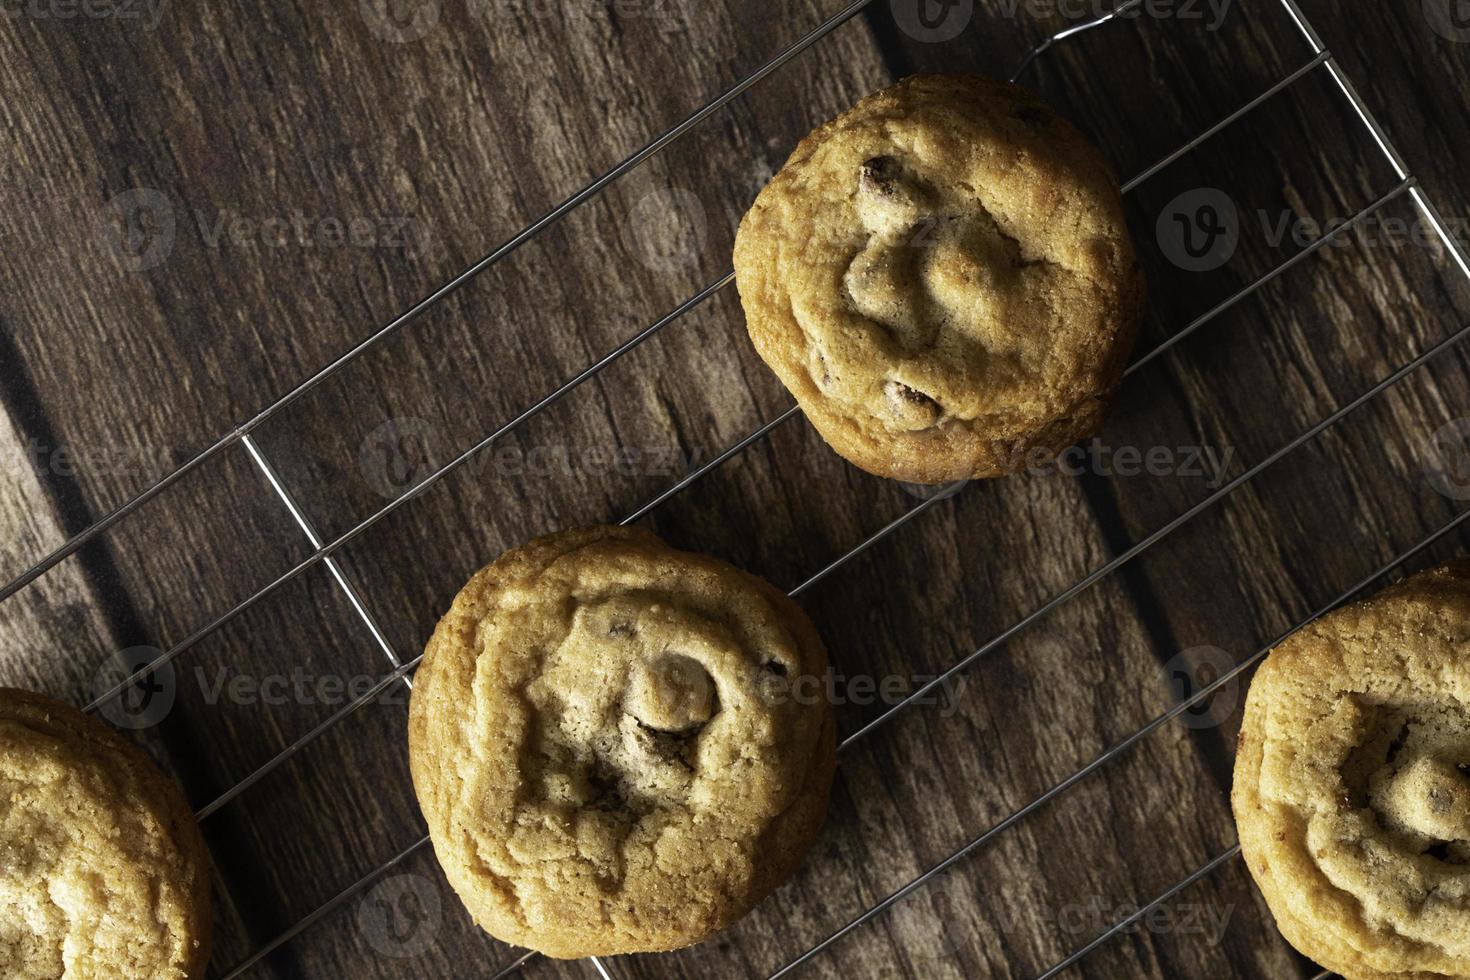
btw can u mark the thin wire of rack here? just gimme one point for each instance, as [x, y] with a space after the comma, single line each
[402, 669]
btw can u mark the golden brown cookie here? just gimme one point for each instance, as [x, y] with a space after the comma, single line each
[103, 872]
[943, 278]
[1351, 788]
[610, 745]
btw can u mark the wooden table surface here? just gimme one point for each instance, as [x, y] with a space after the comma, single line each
[202, 206]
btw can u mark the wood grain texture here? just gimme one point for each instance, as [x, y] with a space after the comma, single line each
[291, 178]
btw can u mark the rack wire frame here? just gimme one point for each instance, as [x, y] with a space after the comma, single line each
[401, 669]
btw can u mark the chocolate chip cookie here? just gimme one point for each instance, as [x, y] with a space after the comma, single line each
[103, 872]
[943, 278]
[611, 745]
[1351, 788]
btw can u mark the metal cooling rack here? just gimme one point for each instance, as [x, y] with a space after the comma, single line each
[402, 669]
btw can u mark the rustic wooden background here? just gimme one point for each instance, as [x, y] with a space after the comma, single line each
[292, 176]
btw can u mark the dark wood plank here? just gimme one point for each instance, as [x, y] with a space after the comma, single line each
[428, 152]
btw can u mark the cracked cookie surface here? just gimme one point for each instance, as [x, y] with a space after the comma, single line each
[1352, 783]
[611, 747]
[103, 872]
[943, 278]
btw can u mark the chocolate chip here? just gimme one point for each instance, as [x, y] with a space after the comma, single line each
[774, 667]
[621, 629]
[878, 175]
[607, 790]
[912, 394]
[679, 747]
[911, 407]
[1397, 744]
